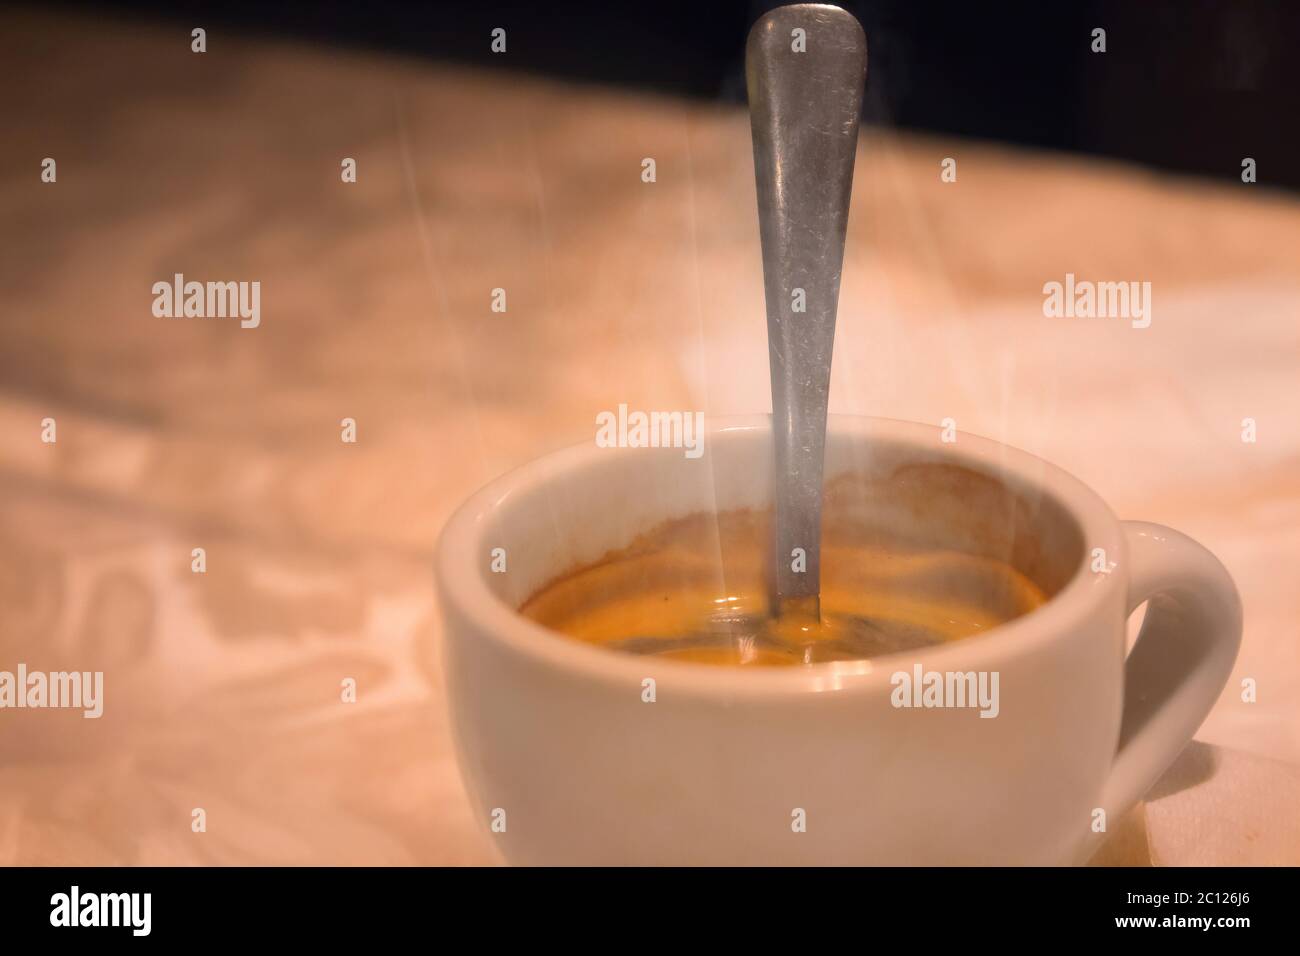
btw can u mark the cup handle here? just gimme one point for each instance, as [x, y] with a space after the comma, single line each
[1182, 659]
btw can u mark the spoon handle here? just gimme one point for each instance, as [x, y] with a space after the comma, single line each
[805, 94]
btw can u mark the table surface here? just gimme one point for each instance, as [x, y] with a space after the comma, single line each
[222, 689]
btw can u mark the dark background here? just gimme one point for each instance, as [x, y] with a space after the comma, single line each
[1185, 85]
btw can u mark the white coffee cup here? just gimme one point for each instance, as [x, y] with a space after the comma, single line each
[567, 762]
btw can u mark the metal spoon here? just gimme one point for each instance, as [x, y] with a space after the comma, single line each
[805, 66]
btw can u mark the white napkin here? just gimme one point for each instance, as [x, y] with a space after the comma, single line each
[1213, 807]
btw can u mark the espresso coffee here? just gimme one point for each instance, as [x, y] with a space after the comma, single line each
[696, 589]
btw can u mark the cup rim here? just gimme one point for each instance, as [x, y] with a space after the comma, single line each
[463, 591]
